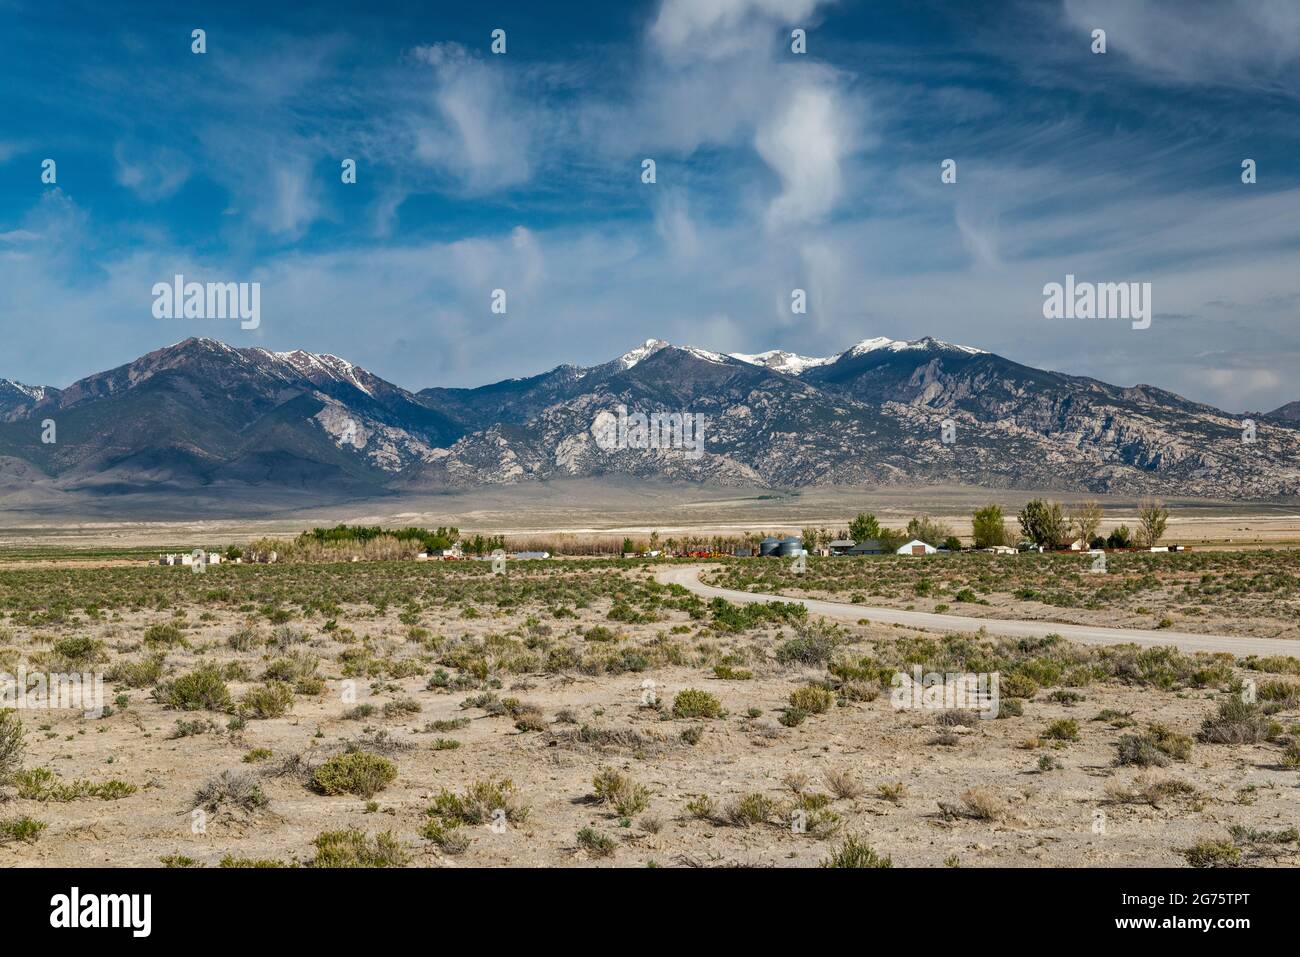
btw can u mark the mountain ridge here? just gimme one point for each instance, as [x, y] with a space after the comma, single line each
[202, 413]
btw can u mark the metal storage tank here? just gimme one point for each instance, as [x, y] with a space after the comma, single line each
[790, 547]
[768, 546]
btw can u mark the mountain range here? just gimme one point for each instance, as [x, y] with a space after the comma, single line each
[203, 415]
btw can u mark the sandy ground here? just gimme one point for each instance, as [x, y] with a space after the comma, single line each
[1049, 817]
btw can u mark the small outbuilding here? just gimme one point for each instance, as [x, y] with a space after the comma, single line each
[916, 547]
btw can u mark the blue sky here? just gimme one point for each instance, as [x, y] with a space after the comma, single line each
[775, 171]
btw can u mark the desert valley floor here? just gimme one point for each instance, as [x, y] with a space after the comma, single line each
[582, 712]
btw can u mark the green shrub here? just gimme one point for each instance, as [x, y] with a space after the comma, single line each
[42, 784]
[751, 809]
[625, 795]
[728, 673]
[246, 638]
[1211, 853]
[204, 687]
[140, 673]
[167, 634]
[447, 834]
[401, 706]
[1238, 722]
[270, 700]
[696, 704]
[793, 717]
[297, 669]
[1067, 729]
[238, 789]
[813, 699]
[357, 772]
[1017, 685]
[230, 861]
[856, 853]
[352, 848]
[11, 744]
[1010, 708]
[813, 644]
[79, 650]
[22, 828]
[478, 802]
[596, 843]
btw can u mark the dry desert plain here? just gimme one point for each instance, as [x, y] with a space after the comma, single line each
[585, 713]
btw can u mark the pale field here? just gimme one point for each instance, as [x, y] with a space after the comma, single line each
[588, 509]
[538, 654]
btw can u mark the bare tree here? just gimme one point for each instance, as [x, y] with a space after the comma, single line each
[1152, 517]
[1085, 519]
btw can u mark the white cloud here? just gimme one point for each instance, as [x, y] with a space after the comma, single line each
[293, 204]
[804, 143]
[1246, 43]
[479, 130]
[151, 173]
[719, 28]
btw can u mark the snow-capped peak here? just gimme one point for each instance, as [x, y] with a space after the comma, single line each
[781, 361]
[706, 354]
[651, 346]
[36, 392]
[307, 363]
[792, 363]
[902, 345]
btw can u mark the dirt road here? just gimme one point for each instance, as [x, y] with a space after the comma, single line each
[688, 577]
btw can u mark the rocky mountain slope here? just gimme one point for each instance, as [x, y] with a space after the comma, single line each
[201, 413]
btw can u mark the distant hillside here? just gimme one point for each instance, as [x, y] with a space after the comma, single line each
[202, 415]
[1289, 412]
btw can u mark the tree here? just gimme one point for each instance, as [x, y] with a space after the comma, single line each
[1152, 516]
[928, 530]
[891, 538]
[1085, 519]
[628, 546]
[990, 527]
[952, 543]
[1119, 538]
[1043, 523]
[864, 527]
